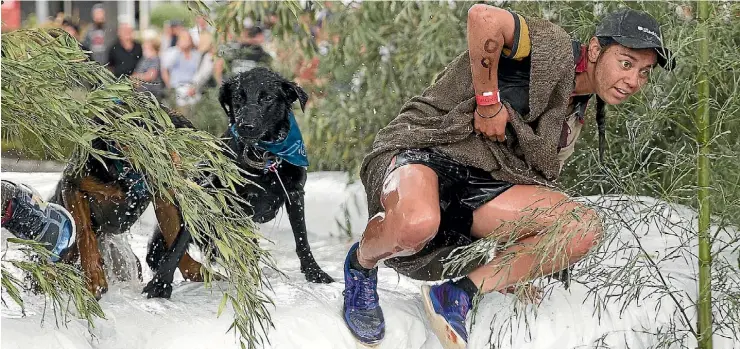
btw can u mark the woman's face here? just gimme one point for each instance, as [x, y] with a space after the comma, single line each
[148, 49]
[621, 71]
[184, 41]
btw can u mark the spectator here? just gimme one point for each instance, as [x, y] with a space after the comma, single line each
[204, 75]
[179, 70]
[201, 27]
[246, 54]
[95, 37]
[59, 19]
[148, 71]
[125, 53]
[166, 38]
[73, 30]
[169, 40]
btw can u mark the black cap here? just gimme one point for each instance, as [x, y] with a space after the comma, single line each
[636, 29]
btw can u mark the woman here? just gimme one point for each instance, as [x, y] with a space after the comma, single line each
[476, 156]
[178, 72]
[204, 77]
[148, 70]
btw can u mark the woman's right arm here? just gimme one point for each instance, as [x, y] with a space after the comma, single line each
[490, 29]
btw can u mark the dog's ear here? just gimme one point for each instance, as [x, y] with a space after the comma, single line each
[295, 92]
[224, 97]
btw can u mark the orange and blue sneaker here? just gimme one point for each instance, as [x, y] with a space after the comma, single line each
[447, 307]
[362, 312]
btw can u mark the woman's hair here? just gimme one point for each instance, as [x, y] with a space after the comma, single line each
[604, 42]
[154, 42]
[601, 125]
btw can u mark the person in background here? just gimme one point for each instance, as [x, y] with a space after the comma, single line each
[201, 27]
[94, 38]
[168, 44]
[125, 53]
[204, 77]
[179, 71]
[59, 19]
[245, 54]
[71, 27]
[27, 216]
[165, 37]
[148, 71]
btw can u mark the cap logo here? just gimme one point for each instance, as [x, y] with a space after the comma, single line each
[646, 30]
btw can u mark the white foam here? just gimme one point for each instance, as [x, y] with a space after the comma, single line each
[309, 315]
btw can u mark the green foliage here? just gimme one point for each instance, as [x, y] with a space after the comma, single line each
[43, 72]
[377, 65]
[230, 16]
[56, 281]
[168, 11]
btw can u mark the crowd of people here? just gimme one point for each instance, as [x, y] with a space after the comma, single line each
[178, 64]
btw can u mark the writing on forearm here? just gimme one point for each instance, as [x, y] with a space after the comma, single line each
[491, 46]
[486, 62]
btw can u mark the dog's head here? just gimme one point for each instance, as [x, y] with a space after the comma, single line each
[258, 102]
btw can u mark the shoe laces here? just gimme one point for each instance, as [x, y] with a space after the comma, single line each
[363, 291]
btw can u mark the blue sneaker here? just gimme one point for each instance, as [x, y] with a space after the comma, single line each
[362, 312]
[447, 306]
[29, 217]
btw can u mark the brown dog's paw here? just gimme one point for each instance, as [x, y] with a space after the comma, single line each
[192, 275]
[190, 269]
[97, 283]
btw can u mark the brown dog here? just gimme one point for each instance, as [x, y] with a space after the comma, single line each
[107, 200]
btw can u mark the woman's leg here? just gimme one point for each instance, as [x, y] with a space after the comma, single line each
[551, 233]
[411, 218]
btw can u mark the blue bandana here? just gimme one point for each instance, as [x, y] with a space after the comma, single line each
[291, 149]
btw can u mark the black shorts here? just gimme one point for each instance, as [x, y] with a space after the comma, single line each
[462, 190]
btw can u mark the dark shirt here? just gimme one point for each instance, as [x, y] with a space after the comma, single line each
[124, 62]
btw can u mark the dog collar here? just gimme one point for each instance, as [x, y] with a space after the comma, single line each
[291, 149]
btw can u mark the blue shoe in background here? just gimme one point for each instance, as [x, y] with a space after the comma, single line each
[447, 307]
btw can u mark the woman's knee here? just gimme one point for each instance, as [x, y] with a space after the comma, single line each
[410, 199]
[414, 228]
[585, 230]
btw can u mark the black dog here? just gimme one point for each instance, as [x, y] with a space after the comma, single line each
[267, 145]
